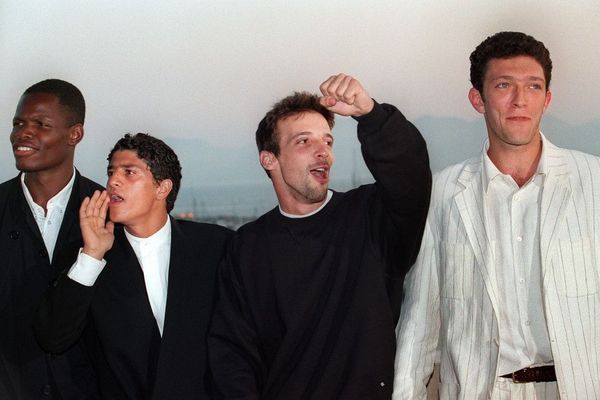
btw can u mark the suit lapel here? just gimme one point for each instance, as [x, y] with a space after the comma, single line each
[22, 213]
[179, 277]
[555, 198]
[469, 203]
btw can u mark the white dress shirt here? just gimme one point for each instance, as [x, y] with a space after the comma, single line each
[153, 254]
[49, 223]
[512, 215]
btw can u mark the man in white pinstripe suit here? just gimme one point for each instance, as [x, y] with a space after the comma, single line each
[505, 291]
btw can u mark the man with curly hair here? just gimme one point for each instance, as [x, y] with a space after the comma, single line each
[141, 290]
[505, 291]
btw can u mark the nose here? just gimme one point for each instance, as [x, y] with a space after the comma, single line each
[113, 181]
[22, 131]
[323, 151]
[519, 97]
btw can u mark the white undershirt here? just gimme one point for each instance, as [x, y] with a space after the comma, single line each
[153, 254]
[49, 223]
[329, 196]
[512, 215]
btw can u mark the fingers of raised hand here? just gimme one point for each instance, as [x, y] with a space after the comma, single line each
[95, 206]
[340, 87]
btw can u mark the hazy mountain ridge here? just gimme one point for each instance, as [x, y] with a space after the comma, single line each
[227, 178]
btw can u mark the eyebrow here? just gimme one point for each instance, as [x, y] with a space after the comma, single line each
[125, 166]
[527, 78]
[295, 135]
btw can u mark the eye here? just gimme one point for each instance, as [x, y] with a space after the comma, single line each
[109, 173]
[302, 141]
[502, 85]
[536, 86]
[129, 171]
[17, 123]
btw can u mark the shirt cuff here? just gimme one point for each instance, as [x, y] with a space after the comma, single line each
[86, 269]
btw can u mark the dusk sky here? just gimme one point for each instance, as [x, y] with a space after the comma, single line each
[205, 72]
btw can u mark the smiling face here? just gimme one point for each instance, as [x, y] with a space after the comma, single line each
[136, 199]
[514, 98]
[300, 172]
[42, 138]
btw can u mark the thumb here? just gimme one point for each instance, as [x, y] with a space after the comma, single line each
[327, 101]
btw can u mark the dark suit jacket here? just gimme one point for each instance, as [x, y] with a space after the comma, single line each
[26, 372]
[130, 358]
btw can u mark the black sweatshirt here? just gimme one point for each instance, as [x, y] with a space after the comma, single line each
[307, 307]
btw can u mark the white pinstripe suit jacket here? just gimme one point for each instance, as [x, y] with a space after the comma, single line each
[450, 308]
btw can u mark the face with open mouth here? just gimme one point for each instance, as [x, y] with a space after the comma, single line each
[41, 134]
[135, 196]
[300, 171]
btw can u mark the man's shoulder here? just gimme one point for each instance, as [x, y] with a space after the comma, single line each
[87, 186]
[195, 228]
[468, 167]
[11, 183]
[258, 224]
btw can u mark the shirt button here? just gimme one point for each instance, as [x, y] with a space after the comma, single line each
[527, 323]
[382, 384]
[519, 239]
[517, 198]
[521, 280]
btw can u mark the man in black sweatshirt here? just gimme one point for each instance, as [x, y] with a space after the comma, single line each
[310, 293]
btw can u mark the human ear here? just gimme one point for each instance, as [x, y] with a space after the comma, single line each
[476, 100]
[164, 188]
[267, 160]
[75, 134]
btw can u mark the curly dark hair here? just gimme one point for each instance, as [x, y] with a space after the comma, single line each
[508, 45]
[297, 103]
[161, 160]
[68, 96]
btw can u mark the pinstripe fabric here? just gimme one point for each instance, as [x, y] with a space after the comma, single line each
[449, 311]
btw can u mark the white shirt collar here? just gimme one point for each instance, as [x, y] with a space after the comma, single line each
[59, 201]
[490, 171]
[154, 241]
[329, 196]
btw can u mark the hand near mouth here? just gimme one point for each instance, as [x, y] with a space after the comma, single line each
[98, 234]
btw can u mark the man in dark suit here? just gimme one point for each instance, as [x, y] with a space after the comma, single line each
[144, 287]
[38, 232]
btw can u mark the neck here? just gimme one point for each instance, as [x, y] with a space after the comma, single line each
[148, 227]
[44, 185]
[520, 163]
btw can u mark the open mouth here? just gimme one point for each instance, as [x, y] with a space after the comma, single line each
[115, 198]
[23, 150]
[321, 173]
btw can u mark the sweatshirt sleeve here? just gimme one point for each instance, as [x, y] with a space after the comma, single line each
[396, 154]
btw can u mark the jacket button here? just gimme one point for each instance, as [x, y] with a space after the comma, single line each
[46, 390]
[14, 235]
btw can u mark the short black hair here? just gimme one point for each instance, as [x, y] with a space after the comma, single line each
[508, 45]
[297, 103]
[69, 96]
[161, 159]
